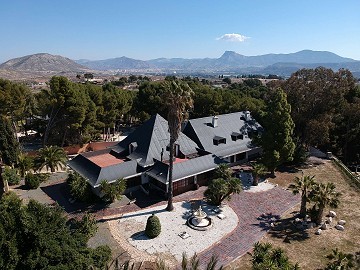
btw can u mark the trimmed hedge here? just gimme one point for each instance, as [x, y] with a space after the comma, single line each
[153, 226]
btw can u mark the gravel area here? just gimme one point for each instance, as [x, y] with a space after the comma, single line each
[263, 186]
[129, 232]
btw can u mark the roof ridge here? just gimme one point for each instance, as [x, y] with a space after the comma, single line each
[156, 119]
[224, 114]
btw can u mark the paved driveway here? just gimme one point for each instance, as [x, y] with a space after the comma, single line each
[255, 212]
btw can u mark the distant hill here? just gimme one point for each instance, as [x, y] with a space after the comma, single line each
[115, 63]
[42, 62]
[230, 62]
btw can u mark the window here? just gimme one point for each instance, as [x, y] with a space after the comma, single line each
[183, 183]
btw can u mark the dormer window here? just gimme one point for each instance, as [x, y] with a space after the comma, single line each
[237, 136]
[219, 140]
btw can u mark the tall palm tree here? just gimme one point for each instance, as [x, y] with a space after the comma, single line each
[303, 184]
[324, 195]
[178, 98]
[51, 157]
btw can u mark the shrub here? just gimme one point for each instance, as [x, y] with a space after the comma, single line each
[101, 256]
[112, 191]
[87, 225]
[11, 176]
[33, 181]
[79, 188]
[153, 226]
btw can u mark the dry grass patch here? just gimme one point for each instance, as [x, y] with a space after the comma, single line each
[310, 251]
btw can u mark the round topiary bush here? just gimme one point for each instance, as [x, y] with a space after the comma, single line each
[153, 226]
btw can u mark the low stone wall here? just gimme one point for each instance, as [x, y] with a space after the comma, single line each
[354, 179]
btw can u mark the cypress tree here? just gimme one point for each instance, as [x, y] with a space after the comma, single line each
[277, 141]
[9, 146]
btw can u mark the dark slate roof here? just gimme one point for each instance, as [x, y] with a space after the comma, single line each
[186, 168]
[202, 131]
[95, 174]
[151, 139]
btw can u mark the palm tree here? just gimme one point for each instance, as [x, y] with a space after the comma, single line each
[178, 98]
[113, 191]
[51, 157]
[194, 263]
[25, 163]
[324, 195]
[258, 171]
[266, 257]
[223, 171]
[340, 260]
[221, 189]
[303, 184]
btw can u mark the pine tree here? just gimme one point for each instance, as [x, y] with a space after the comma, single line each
[277, 141]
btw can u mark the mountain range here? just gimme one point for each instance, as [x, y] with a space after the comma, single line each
[229, 62]
[42, 62]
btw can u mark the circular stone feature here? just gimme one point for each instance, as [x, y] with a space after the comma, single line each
[204, 225]
[199, 220]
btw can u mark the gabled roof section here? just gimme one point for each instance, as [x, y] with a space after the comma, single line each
[186, 168]
[151, 139]
[102, 165]
[203, 132]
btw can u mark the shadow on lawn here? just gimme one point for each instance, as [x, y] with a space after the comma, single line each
[283, 228]
[289, 231]
[60, 193]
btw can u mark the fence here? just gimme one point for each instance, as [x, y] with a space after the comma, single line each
[354, 178]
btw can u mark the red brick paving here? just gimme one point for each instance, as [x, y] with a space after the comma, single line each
[249, 207]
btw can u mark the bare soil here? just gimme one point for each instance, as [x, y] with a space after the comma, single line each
[303, 246]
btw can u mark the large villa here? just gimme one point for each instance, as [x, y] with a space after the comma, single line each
[142, 158]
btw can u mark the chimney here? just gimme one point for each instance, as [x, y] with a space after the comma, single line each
[215, 121]
[247, 116]
[162, 154]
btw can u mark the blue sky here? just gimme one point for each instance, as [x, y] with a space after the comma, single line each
[150, 29]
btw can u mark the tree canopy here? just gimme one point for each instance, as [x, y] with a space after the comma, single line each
[36, 236]
[9, 146]
[277, 141]
[325, 109]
